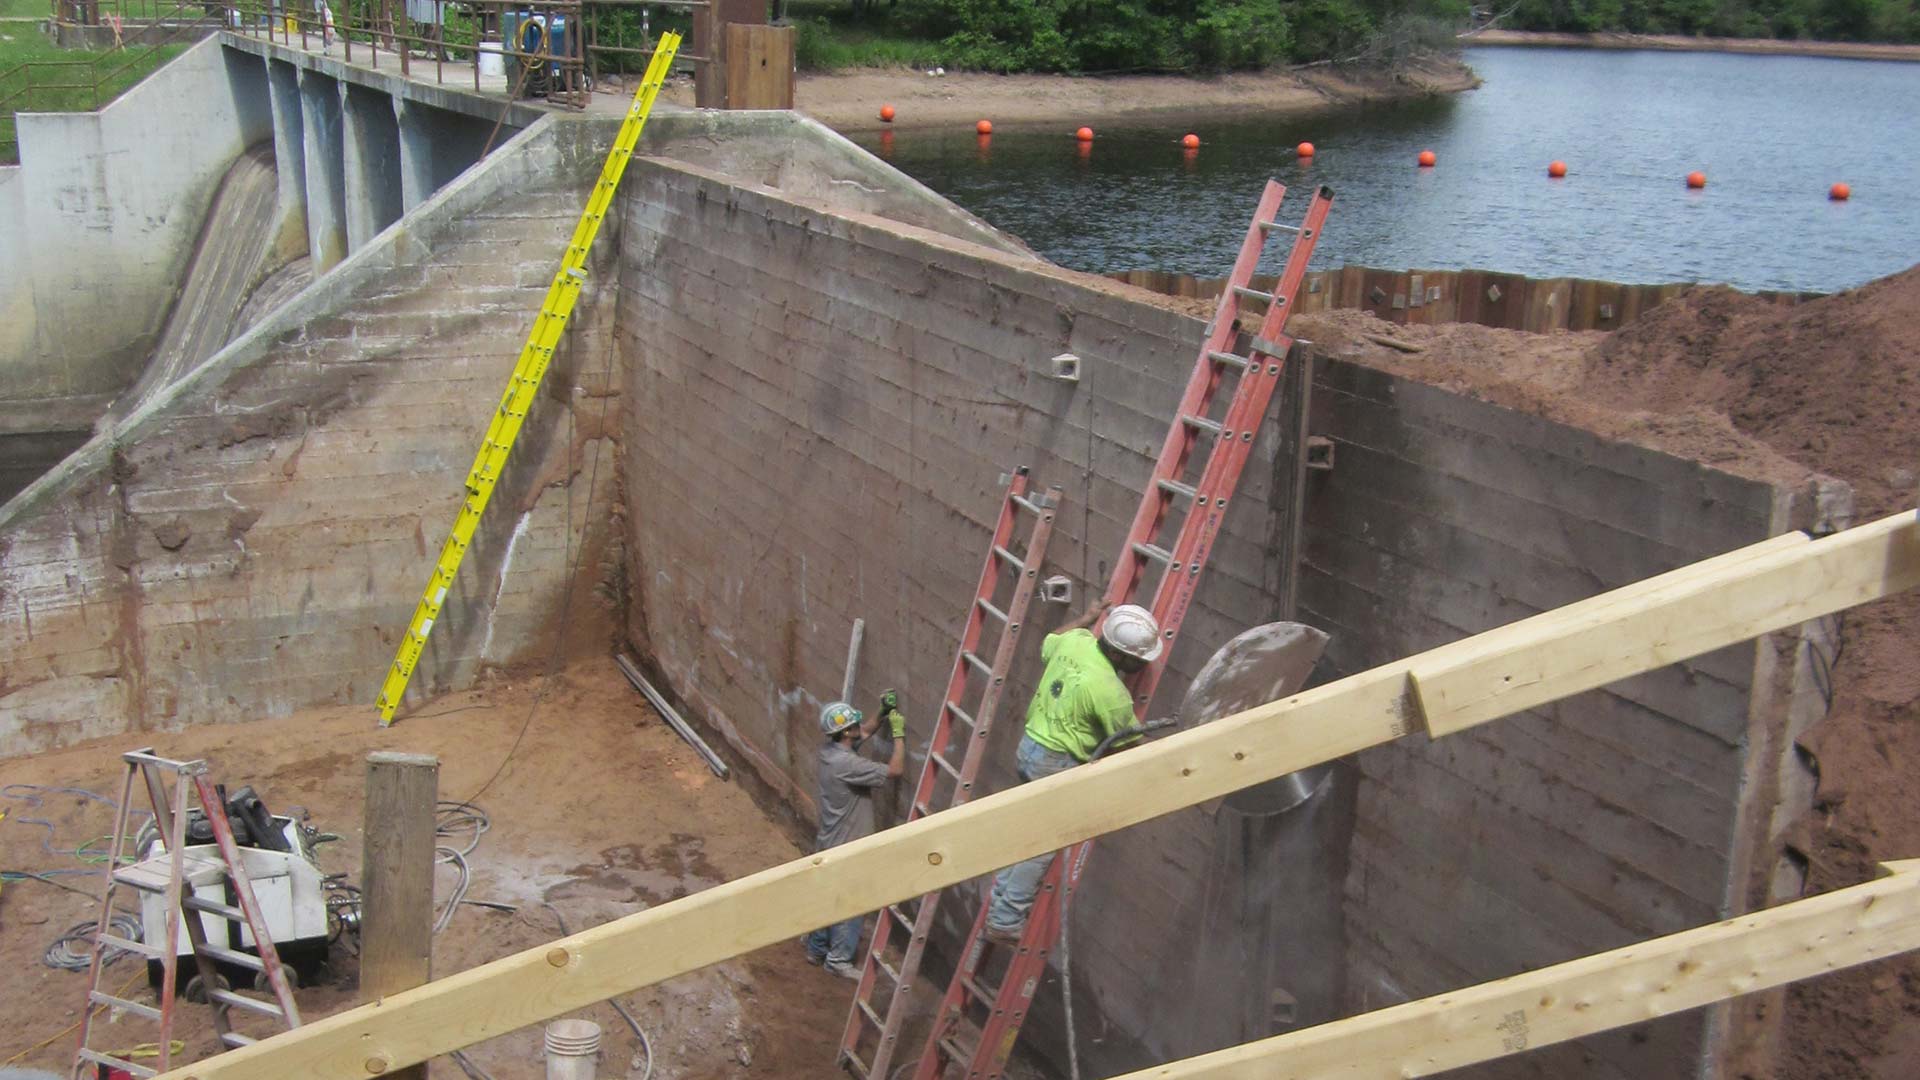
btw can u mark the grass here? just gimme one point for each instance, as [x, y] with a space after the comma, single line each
[829, 38]
[25, 9]
[38, 76]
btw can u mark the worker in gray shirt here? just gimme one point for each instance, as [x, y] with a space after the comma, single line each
[847, 785]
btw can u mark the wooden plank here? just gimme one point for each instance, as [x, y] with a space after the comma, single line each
[759, 67]
[944, 849]
[396, 878]
[1736, 596]
[1592, 994]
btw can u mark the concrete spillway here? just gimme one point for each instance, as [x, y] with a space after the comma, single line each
[229, 259]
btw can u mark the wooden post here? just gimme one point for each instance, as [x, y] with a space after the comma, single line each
[710, 40]
[396, 879]
[759, 67]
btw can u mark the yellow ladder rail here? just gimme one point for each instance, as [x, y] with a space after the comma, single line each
[524, 384]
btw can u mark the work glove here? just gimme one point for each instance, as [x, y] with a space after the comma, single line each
[890, 711]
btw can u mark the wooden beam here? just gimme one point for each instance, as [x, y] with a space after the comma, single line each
[1594, 993]
[943, 849]
[396, 879]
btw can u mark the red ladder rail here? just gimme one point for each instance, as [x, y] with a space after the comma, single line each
[1001, 567]
[999, 1011]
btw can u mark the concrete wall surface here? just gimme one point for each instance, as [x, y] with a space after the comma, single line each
[106, 209]
[254, 539]
[819, 405]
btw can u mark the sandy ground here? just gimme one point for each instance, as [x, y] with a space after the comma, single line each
[850, 101]
[1847, 50]
[601, 811]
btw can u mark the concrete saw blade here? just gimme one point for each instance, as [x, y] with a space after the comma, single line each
[1263, 664]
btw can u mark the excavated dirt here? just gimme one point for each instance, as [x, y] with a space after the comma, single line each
[600, 811]
[1827, 386]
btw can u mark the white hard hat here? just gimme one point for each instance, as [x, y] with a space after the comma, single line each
[838, 716]
[1131, 629]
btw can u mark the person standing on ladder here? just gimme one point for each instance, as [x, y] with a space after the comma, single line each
[1081, 701]
[847, 785]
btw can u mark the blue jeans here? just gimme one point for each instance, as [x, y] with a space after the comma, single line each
[837, 943]
[1015, 887]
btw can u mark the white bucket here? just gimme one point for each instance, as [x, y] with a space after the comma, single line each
[573, 1049]
[493, 65]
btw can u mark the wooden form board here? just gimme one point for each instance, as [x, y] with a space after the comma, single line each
[1191, 767]
[759, 67]
[1594, 993]
[396, 877]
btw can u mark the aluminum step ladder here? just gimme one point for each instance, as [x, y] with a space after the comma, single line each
[171, 875]
[1008, 580]
[524, 385]
[1173, 532]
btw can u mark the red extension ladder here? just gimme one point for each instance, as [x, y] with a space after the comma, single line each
[1011, 578]
[1187, 497]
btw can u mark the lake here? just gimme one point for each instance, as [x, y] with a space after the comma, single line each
[1772, 134]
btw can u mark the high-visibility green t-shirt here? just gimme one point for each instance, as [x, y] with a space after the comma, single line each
[1080, 700]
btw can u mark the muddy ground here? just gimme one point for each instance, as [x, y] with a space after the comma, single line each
[600, 811]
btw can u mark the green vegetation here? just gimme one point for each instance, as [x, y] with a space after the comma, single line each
[1823, 20]
[1114, 35]
[38, 76]
[24, 9]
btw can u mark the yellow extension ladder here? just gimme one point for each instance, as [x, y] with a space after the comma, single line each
[548, 325]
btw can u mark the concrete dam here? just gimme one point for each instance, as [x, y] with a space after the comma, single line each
[250, 359]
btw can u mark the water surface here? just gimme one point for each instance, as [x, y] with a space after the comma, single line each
[1771, 133]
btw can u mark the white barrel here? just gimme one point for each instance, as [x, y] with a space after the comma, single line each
[573, 1049]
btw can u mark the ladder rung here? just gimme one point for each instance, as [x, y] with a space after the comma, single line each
[988, 607]
[853, 1062]
[1275, 226]
[133, 1007]
[228, 997]
[231, 956]
[113, 941]
[901, 915]
[979, 990]
[1201, 423]
[1157, 554]
[873, 1018]
[1030, 506]
[214, 907]
[985, 668]
[951, 1047]
[1229, 359]
[1256, 294]
[1008, 556]
[99, 1058]
[961, 715]
[884, 966]
[945, 764]
[1175, 487]
[234, 1038]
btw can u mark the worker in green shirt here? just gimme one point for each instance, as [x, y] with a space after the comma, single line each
[1081, 701]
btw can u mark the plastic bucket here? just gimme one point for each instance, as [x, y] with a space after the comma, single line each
[573, 1049]
[492, 64]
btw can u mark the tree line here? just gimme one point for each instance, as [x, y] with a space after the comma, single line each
[1821, 20]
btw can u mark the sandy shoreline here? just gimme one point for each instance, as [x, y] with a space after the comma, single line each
[1845, 50]
[850, 101]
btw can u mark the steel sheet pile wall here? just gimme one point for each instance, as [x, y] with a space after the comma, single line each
[819, 405]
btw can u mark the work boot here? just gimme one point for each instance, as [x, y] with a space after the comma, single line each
[1009, 938]
[843, 969]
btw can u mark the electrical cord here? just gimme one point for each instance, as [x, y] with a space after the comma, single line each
[35, 796]
[73, 950]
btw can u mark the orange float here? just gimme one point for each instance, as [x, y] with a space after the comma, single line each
[1191, 141]
[1840, 192]
[1696, 180]
[1556, 169]
[1427, 159]
[1085, 134]
[1305, 149]
[984, 127]
[886, 114]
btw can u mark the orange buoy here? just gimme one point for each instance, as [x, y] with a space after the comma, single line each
[1840, 192]
[1191, 141]
[1427, 159]
[1696, 180]
[1556, 169]
[886, 114]
[1305, 149]
[984, 127]
[1085, 134]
